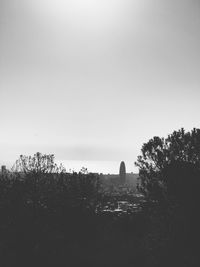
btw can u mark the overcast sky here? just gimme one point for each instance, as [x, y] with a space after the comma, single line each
[95, 79]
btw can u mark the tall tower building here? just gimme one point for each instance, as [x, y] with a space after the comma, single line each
[122, 172]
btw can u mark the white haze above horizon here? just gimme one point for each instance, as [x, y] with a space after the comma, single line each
[92, 80]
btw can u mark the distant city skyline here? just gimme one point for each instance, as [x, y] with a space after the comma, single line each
[105, 167]
[92, 80]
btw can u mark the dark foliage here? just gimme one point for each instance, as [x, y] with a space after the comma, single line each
[41, 204]
[50, 218]
[169, 176]
[158, 153]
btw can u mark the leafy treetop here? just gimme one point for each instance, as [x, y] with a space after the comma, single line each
[158, 153]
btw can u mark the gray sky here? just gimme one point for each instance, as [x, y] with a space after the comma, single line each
[95, 79]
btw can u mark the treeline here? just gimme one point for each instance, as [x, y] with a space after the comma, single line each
[38, 184]
[44, 210]
[49, 217]
[169, 177]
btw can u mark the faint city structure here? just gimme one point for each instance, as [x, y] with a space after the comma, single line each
[122, 172]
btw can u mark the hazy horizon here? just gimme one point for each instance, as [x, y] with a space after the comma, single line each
[95, 166]
[92, 80]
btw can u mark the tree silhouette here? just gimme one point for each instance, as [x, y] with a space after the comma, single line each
[158, 153]
[182, 183]
[38, 173]
[37, 164]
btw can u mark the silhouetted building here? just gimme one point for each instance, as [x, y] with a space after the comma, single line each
[122, 172]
